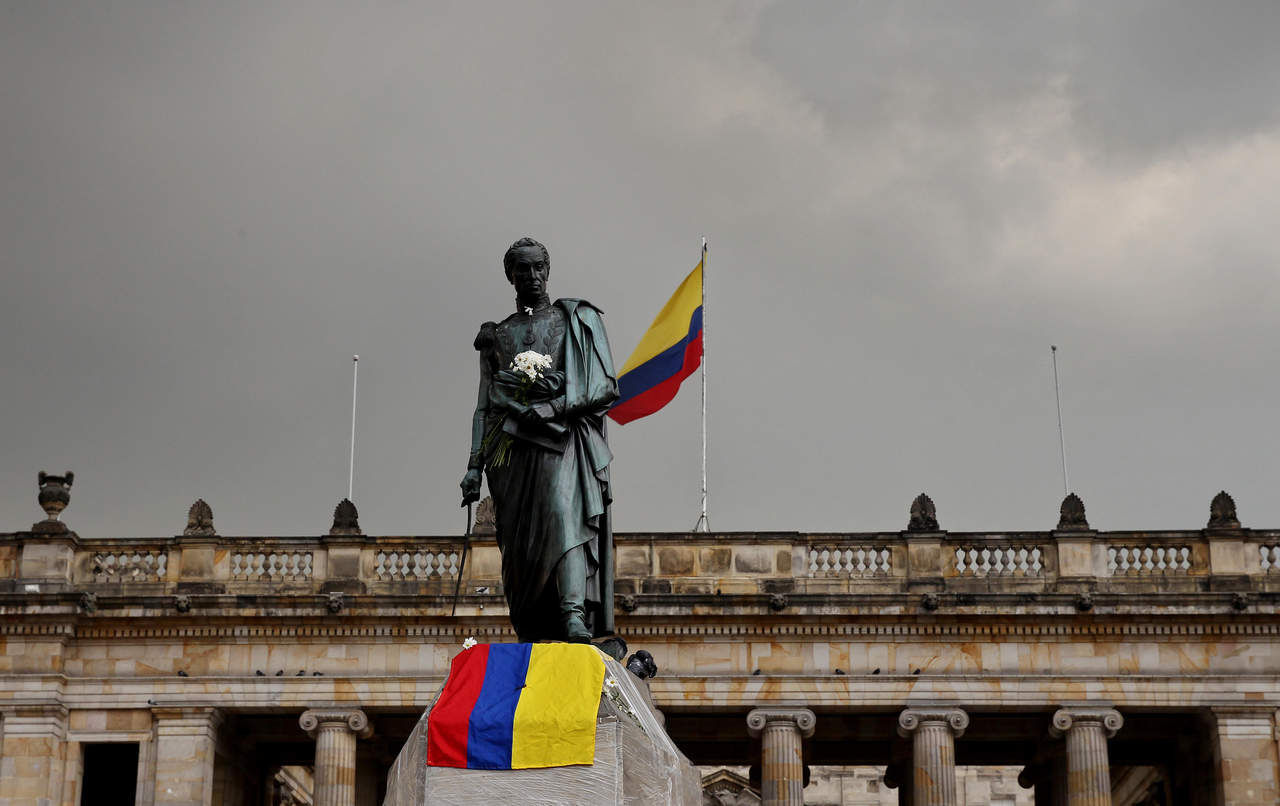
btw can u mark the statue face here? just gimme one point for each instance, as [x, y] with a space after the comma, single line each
[529, 272]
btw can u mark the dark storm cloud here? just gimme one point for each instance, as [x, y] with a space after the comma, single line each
[208, 208]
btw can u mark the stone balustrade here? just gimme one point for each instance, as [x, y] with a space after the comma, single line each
[659, 564]
[129, 565]
[1154, 558]
[998, 557]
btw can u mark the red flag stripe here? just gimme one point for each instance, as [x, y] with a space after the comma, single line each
[447, 727]
[655, 397]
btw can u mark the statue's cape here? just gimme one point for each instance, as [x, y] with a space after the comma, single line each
[591, 388]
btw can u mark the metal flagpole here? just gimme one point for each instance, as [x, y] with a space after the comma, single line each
[355, 376]
[1062, 443]
[703, 522]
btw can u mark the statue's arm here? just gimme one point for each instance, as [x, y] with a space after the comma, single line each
[475, 461]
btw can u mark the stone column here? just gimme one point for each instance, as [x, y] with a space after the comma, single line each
[781, 731]
[933, 733]
[1088, 770]
[335, 731]
[33, 754]
[1247, 755]
[185, 739]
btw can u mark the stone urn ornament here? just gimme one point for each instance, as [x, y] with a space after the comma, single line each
[55, 494]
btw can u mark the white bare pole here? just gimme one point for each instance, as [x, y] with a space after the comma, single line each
[351, 471]
[1062, 443]
[703, 523]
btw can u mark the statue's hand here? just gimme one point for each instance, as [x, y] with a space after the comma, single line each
[537, 413]
[471, 486]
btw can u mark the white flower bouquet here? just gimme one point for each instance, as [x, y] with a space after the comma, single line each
[530, 379]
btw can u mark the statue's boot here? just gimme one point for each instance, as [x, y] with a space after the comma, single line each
[571, 584]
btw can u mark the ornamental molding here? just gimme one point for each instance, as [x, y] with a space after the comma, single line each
[912, 719]
[353, 719]
[801, 718]
[448, 633]
[59, 631]
[1065, 719]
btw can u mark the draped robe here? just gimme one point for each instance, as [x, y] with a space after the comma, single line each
[552, 492]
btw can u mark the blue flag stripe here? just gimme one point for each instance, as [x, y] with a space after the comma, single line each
[661, 367]
[493, 718]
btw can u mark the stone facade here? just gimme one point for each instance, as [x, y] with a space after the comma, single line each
[206, 650]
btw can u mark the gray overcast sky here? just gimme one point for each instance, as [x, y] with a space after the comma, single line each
[208, 207]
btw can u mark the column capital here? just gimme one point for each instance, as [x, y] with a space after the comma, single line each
[1064, 719]
[913, 718]
[353, 719]
[802, 718]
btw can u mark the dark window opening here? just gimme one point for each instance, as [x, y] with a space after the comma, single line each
[110, 774]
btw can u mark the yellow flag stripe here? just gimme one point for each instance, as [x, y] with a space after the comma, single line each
[672, 323]
[555, 721]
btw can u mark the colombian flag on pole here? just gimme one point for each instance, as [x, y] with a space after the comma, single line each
[517, 706]
[669, 352]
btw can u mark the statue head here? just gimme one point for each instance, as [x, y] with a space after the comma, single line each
[528, 267]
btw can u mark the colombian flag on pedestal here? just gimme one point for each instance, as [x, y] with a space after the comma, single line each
[669, 352]
[517, 706]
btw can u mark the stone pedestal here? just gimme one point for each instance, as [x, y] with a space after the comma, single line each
[47, 560]
[933, 732]
[781, 732]
[1247, 755]
[636, 764]
[185, 742]
[1088, 767]
[335, 731]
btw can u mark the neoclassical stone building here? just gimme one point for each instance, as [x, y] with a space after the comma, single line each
[1095, 667]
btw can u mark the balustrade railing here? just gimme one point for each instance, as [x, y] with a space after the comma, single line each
[125, 565]
[1149, 559]
[1269, 557]
[850, 560]
[739, 563]
[999, 560]
[272, 566]
[421, 564]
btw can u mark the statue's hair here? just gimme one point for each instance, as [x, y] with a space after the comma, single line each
[522, 244]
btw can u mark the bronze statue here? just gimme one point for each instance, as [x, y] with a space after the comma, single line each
[541, 442]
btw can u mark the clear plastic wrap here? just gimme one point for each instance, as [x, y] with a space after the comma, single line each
[636, 764]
